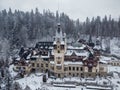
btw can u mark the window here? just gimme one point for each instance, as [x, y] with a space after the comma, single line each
[58, 62]
[65, 68]
[77, 74]
[81, 68]
[62, 47]
[58, 75]
[81, 74]
[46, 65]
[96, 70]
[73, 68]
[41, 65]
[59, 67]
[69, 68]
[55, 46]
[33, 64]
[52, 67]
[58, 57]
[37, 64]
[23, 67]
[89, 69]
[17, 67]
[89, 75]
[58, 51]
[77, 68]
[73, 74]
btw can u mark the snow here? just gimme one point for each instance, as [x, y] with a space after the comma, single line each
[68, 62]
[64, 85]
[104, 62]
[113, 68]
[50, 47]
[34, 81]
[37, 56]
[98, 87]
[77, 52]
[45, 56]
[18, 58]
[54, 42]
[97, 47]
[13, 73]
[71, 47]
[105, 58]
[62, 42]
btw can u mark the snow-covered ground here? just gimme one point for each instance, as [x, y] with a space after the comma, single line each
[34, 81]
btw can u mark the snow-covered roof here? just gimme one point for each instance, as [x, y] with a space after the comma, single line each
[72, 47]
[105, 58]
[97, 47]
[77, 52]
[62, 42]
[28, 57]
[102, 61]
[35, 56]
[54, 42]
[70, 62]
[45, 56]
[18, 59]
[50, 47]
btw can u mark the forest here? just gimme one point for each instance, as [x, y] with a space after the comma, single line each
[19, 27]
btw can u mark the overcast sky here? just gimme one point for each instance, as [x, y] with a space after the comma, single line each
[74, 8]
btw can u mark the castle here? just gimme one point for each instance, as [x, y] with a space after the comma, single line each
[60, 59]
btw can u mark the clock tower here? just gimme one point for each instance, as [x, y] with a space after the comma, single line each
[59, 52]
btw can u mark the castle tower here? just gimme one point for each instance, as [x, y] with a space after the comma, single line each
[59, 51]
